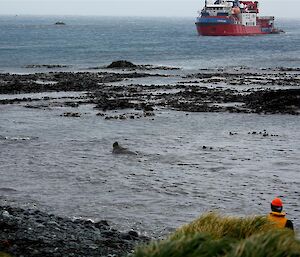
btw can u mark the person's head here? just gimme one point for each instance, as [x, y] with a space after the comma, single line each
[276, 205]
[115, 144]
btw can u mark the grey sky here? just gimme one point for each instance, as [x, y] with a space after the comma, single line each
[165, 8]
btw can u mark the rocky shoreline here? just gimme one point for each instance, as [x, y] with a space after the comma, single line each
[35, 233]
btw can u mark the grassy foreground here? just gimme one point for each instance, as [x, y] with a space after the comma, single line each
[215, 235]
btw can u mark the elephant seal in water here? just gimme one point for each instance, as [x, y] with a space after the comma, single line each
[117, 149]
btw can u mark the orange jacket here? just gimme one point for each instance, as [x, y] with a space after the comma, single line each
[278, 219]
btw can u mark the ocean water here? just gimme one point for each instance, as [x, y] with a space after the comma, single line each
[65, 165]
[96, 41]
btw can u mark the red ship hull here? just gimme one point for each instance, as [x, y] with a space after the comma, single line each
[233, 18]
[228, 30]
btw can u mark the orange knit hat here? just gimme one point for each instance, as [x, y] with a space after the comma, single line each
[277, 202]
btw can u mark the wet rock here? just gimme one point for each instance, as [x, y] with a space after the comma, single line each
[275, 101]
[133, 233]
[105, 103]
[72, 104]
[61, 81]
[287, 69]
[102, 224]
[19, 100]
[72, 114]
[48, 66]
[31, 233]
[126, 116]
[183, 96]
[147, 108]
[121, 65]
[148, 113]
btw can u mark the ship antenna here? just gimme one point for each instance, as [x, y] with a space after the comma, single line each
[205, 3]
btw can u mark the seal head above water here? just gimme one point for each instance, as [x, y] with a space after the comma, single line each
[117, 149]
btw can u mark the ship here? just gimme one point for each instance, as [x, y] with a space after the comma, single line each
[234, 18]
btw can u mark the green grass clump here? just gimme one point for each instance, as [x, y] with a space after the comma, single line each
[3, 254]
[213, 235]
[218, 226]
[191, 246]
[274, 243]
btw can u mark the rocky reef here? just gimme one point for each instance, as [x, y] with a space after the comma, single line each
[273, 91]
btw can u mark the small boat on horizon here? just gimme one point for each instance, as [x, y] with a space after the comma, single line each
[59, 23]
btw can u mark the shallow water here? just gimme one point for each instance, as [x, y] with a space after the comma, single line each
[65, 165]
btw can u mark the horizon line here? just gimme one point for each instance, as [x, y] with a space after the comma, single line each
[121, 16]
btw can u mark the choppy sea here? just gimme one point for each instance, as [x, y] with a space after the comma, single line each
[93, 41]
[65, 166]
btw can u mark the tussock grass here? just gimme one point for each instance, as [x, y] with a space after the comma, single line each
[274, 243]
[197, 245]
[2, 254]
[213, 235]
[219, 226]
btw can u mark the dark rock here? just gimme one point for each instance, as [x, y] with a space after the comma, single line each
[275, 101]
[101, 224]
[72, 104]
[105, 103]
[72, 114]
[148, 108]
[122, 64]
[61, 81]
[34, 233]
[182, 96]
[48, 66]
[133, 233]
